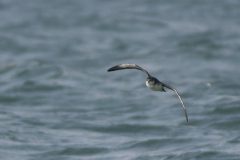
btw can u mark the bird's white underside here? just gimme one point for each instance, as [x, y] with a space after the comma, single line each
[156, 87]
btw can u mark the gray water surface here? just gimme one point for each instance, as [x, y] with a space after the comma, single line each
[58, 102]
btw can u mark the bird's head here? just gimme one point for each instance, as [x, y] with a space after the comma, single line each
[150, 80]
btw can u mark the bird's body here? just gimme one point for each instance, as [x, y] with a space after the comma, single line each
[154, 84]
[151, 82]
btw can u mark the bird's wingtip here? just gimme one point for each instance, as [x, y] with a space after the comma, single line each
[186, 117]
[110, 69]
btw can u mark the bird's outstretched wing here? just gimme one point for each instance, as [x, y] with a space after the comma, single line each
[170, 87]
[128, 66]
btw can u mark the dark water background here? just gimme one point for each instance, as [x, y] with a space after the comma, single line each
[58, 102]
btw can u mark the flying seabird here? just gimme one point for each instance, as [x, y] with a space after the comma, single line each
[151, 82]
